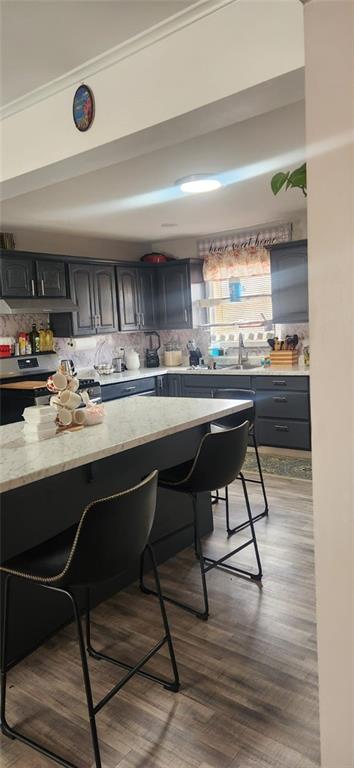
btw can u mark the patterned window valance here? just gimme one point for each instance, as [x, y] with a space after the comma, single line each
[240, 255]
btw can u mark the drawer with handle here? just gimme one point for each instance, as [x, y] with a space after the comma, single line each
[283, 405]
[283, 434]
[216, 381]
[294, 383]
[127, 388]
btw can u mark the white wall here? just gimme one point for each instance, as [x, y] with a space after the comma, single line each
[329, 48]
[186, 247]
[210, 57]
[75, 245]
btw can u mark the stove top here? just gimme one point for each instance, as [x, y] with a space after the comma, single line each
[28, 365]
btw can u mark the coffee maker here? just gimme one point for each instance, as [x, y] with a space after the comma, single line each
[152, 359]
[195, 354]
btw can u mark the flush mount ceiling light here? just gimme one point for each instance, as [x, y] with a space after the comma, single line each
[199, 182]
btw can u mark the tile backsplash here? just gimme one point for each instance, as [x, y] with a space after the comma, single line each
[90, 350]
[12, 325]
[87, 351]
[105, 347]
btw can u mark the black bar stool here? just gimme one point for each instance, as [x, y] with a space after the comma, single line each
[218, 463]
[233, 421]
[111, 535]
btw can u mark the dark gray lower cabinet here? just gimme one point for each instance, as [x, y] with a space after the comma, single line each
[283, 433]
[282, 403]
[174, 385]
[283, 411]
[129, 388]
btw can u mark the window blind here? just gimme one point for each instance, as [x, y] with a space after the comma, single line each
[246, 310]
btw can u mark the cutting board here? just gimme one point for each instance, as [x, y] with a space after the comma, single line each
[24, 385]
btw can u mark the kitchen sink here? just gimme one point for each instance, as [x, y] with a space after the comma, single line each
[238, 367]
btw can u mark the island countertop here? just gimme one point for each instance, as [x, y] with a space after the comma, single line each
[128, 423]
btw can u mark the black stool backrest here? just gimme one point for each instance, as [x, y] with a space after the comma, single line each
[112, 534]
[237, 394]
[218, 461]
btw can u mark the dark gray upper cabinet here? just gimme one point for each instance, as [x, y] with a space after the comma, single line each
[51, 278]
[105, 299]
[31, 276]
[17, 277]
[93, 288]
[289, 282]
[82, 293]
[148, 299]
[174, 291]
[128, 298]
[138, 298]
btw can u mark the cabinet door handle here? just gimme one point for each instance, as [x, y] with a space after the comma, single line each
[281, 428]
[32, 286]
[42, 286]
[280, 399]
[137, 319]
[186, 315]
[142, 319]
[129, 389]
[279, 383]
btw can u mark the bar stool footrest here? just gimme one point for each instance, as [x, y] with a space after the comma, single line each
[204, 615]
[132, 670]
[241, 571]
[246, 523]
[11, 733]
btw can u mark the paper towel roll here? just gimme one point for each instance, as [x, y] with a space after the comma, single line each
[80, 345]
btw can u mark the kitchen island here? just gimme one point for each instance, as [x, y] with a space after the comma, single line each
[46, 485]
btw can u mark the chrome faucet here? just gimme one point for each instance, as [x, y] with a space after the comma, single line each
[242, 351]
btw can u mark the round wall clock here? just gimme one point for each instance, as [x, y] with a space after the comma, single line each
[83, 108]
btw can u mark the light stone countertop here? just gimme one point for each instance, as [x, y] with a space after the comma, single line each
[129, 422]
[142, 373]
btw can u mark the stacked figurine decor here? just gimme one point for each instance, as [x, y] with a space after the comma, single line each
[68, 401]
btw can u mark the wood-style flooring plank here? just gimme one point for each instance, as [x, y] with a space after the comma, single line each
[249, 675]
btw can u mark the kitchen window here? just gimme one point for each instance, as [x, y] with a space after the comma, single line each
[255, 301]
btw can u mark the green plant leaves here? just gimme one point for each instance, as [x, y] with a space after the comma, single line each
[296, 178]
[278, 181]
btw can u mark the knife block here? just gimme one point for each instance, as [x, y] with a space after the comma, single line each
[285, 358]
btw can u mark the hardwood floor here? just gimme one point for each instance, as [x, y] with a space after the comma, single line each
[249, 681]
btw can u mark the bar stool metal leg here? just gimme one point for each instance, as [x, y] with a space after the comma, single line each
[265, 513]
[14, 734]
[221, 562]
[4, 726]
[170, 685]
[204, 613]
[259, 465]
[87, 682]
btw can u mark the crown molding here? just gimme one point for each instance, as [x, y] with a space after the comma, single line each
[112, 56]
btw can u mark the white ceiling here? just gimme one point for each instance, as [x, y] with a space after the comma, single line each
[43, 39]
[133, 199]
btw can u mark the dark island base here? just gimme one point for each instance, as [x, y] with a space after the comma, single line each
[36, 512]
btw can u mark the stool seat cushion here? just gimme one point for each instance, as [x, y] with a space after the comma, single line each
[46, 562]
